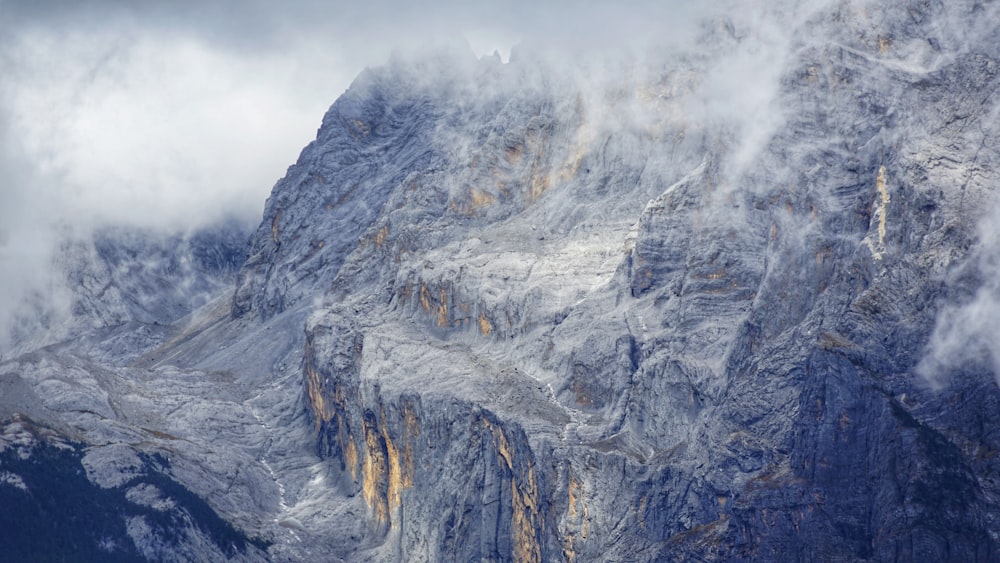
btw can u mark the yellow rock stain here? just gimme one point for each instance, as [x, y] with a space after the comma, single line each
[585, 137]
[316, 401]
[525, 517]
[485, 325]
[381, 236]
[385, 472]
[884, 192]
[470, 204]
[372, 472]
[362, 127]
[884, 43]
[480, 199]
[274, 226]
[314, 390]
[883, 211]
[396, 478]
[425, 297]
[442, 309]
[576, 526]
[540, 182]
[524, 501]
[351, 457]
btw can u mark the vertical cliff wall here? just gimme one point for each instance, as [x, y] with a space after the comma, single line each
[569, 321]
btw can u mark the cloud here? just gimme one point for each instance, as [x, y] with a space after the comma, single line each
[158, 130]
[172, 115]
[26, 245]
[965, 334]
[966, 328]
[106, 118]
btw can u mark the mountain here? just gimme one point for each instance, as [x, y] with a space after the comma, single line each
[667, 307]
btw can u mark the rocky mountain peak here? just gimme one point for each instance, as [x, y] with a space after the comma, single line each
[704, 303]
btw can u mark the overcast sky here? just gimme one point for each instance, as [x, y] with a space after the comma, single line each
[171, 113]
[174, 114]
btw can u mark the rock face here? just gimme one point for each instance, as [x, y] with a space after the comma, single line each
[122, 287]
[46, 487]
[517, 312]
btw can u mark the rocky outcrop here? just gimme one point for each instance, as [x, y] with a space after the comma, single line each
[621, 305]
[120, 288]
[44, 486]
[543, 311]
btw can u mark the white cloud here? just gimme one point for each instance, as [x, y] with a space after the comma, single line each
[149, 127]
[966, 334]
[161, 130]
[170, 115]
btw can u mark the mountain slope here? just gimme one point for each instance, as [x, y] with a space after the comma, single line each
[567, 303]
[587, 310]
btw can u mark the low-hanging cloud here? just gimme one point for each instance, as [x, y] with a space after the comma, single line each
[175, 115]
[154, 130]
[966, 328]
[169, 114]
[965, 334]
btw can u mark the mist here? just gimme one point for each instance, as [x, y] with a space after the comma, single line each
[965, 333]
[174, 117]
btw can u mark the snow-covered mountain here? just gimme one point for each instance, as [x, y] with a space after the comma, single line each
[676, 306]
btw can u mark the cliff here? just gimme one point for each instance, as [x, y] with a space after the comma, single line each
[551, 310]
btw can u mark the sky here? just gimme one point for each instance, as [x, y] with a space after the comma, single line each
[174, 115]
[165, 115]
[169, 114]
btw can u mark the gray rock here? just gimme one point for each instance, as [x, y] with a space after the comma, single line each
[514, 312]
